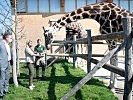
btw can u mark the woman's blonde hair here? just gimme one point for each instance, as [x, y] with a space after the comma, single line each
[27, 43]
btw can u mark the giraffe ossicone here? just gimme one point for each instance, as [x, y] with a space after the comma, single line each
[108, 15]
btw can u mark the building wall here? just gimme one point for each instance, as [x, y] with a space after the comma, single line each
[33, 30]
[33, 23]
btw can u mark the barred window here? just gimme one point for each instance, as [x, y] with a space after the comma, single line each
[21, 6]
[43, 6]
[32, 6]
[91, 2]
[131, 6]
[54, 6]
[38, 6]
[126, 4]
[81, 3]
[69, 5]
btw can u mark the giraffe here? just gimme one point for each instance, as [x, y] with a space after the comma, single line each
[108, 15]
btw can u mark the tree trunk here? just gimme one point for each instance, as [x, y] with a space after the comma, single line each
[17, 58]
[14, 63]
[14, 46]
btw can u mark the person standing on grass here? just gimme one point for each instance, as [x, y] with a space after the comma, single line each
[5, 57]
[41, 50]
[30, 58]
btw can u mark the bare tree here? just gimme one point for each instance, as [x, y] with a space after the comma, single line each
[9, 20]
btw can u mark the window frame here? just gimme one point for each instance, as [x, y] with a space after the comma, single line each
[62, 7]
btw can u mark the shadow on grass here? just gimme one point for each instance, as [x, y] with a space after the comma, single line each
[51, 88]
[53, 79]
[66, 80]
[78, 95]
[22, 80]
[23, 77]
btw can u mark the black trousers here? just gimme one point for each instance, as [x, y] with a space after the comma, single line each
[39, 65]
[37, 70]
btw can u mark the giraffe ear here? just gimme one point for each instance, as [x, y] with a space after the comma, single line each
[59, 28]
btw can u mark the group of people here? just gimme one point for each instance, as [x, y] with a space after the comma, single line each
[35, 58]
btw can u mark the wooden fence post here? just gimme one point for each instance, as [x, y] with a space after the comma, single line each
[128, 59]
[89, 51]
[74, 52]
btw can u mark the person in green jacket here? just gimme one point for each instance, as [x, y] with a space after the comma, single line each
[41, 50]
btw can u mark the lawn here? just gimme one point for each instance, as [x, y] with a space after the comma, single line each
[60, 78]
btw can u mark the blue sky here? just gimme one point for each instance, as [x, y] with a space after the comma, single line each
[5, 10]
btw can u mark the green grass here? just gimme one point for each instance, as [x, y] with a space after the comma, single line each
[60, 78]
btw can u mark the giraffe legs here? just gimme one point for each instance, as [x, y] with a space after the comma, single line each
[113, 76]
[113, 61]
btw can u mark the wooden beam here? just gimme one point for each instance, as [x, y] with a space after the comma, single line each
[76, 55]
[115, 35]
[83, 41]
[111, 68]
[57, 57]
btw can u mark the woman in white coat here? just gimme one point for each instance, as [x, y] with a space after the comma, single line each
[30, 59]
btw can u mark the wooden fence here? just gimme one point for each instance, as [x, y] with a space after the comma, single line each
[127, 73]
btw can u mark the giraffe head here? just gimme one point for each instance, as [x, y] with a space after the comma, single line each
[49, 33]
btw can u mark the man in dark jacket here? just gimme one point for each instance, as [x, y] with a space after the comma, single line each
[5, 57]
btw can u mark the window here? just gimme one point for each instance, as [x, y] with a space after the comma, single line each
[131, 6]
[32, 6]
[81, 3]
[43, 6]
[69, 5]
[124, 4]
[54, 5]
[116, 2]
[21, 6]
[91, 2]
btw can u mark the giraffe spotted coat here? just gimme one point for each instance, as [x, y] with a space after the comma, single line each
[108, 15]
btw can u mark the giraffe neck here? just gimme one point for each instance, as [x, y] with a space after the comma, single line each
[78, 29]
[108, 15]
